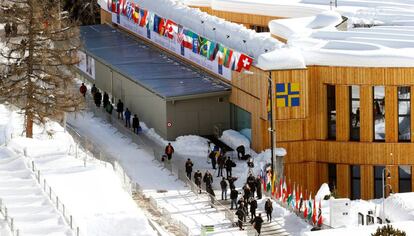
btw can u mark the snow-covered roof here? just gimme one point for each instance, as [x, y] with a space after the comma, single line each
[400, 207]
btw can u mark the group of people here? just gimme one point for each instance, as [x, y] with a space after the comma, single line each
[10, 29]
[218, 158]
[107, 105]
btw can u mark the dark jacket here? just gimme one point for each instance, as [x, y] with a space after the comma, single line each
[229, 164]
[258, 221]
[105, 99]
[94, 89]
[120, 107]
[169, 149]
[253, 205]
[221, 161]
[127, 114]
[240, 213]
[223, 184]
[197, 178]
[268, 207]
[234, 194]
[189, 166]
[208, 179]
[135, 122]
[231, 182]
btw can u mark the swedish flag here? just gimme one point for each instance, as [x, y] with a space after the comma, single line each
[287, 95]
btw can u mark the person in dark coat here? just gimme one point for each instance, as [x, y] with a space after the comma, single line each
[189, 168]
[197, 179]
[223, 185]
[259, 187]
[169, 150]
[243, 206]
[127, 115]
[240, 152]
[253, 207]
[83, 89]
[13, 29]
[7, 29]
[231, 182]
[208, 179]
[257, 224]
[221, 161]
[109, 108]
[120, 109]
[240, 216]
[269, 210]
[229, 165]
[251, 181]
[210, 191]
[98, 98]
[94, 89]
[247, 192]
[233, 198]
[135, 124]
[213, 158]
[105, 99]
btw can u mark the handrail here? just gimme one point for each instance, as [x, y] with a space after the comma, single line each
[9, 220]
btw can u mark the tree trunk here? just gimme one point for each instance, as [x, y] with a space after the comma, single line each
[29, 124]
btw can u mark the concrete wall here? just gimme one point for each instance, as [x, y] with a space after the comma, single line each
[197, 116]
[103, 75]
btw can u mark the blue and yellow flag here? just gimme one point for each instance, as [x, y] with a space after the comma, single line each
[287, 95]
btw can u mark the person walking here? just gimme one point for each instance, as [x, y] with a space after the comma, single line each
[83, 89]
[251, 181]
[94, 89]
[105, 99]
[169, 150]
[189, 168]
[214, 157]
[269, 210]
[223, 185]
[14, 29]
[259, 187]
[120, 109]
[7, 29]
[253, 207]
[135, 124]
[197, 179]
[229, 165]
[98, 98]
[208, 179]
[240, 216]
[233, 198]
[127, 115]
[210, 191]
[257, 224]
[246, 190]
[221, 161]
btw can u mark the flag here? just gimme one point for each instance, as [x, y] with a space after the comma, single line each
[298, 196]
[180, 34]
[314, 214]
[289, 193]
[113, 5]
[109, 5]
[188, 38]
[121, 6]
[301, 200]
[220, 54]
[244, 62]
[268, 183]
[150, 18]
[310, 207]
[135, 15]
[212, 53]
[143, 17]
[262, 179]
[293, 202]
[204, 46]
[228, 54]
[320, 220]
[196, 44]
[161, 26]
[171, 29]
[235, 61]
[274, 185]
[280, 189]
[129, 10]
[305, 212]
[124, 7]
[284, 191]
[156, 23]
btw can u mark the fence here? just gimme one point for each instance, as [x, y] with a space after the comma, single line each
[9, 220]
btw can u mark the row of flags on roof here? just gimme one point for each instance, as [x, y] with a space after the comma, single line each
[198, 44]
[292, 198]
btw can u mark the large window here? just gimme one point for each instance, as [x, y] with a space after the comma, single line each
[404, 179]
[331, 111]
[404, 123]
[332, 177]
[354, 113]
[379, 113]
[241, 121]
[259, 29]
[378, 181]
[355, 182]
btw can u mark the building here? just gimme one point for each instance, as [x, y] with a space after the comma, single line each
[342, 118]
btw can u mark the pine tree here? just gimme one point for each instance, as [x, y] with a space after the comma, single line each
[388, 230]
[38, 58]
[87, 12]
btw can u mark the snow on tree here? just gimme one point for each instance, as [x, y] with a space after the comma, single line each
[41, 45]
[86, 12]
[388, 230]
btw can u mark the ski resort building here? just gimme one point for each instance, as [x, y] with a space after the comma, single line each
[342, 115]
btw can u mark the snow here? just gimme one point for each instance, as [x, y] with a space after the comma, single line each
[93, 193]
[234, 139]
[322, 192]
[240, 38]
[400, 207]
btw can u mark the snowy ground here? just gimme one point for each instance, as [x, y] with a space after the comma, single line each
[93, 195]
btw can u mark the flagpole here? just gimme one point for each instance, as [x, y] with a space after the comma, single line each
[272, 138]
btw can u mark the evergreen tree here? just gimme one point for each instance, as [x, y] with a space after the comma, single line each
[38, 57]
[87, 12]
[388, 230]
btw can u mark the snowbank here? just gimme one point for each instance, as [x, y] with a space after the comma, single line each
[400, 207]
[234, 139]
[322, 192]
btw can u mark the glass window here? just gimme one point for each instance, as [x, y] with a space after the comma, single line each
[259, 29]
[354, 113]
[378, 181]
[379, 113]
[241, 121]
[355, 182]
[404, 179]
[332, 177]
[331, 112]
[404, 123]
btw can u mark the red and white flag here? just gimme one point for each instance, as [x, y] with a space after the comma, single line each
[171, 29]
[244, 62]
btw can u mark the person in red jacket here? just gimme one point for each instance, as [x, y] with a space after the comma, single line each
[83, 89]
[169, 150]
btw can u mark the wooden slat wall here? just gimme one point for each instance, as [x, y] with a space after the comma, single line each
[342, 112]
[367, 182]
[343, 180]
[393, 181]
[391, 114]
[366, 113]
[106, 17]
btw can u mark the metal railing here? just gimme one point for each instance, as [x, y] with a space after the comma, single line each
[9, 220]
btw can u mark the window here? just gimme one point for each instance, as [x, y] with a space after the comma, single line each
[404, 123]
[354, 113]
[241, 121]
[332, 177]
[331, 112]
[355, 182]
[404, 179]
[259, 28]
[379, 113]
[378, 181]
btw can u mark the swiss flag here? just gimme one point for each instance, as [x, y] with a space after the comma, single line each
[244, 62]
[171, 29]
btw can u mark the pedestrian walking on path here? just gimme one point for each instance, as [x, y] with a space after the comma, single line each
[208, 179]
[135, 124]
[221, 161]
[169, 150]
[240, 216]
[253, 207]
[257, 223]
[197, 179]
[98, 98]
[223, 185]
[189, 168]
[269, 210]
[127, 115]
[105, 99]
[94, 90]
[120, 109]
[259, 187]
[229, 164]
[233, 198]
[83, 89]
